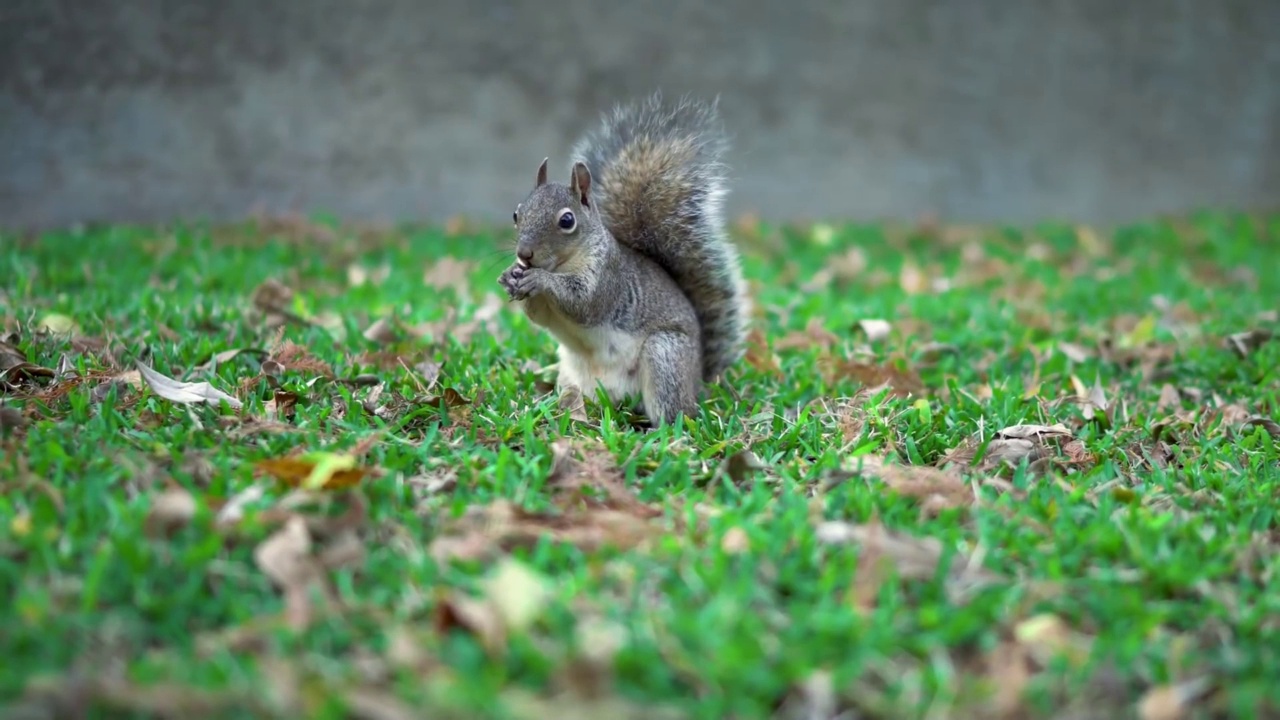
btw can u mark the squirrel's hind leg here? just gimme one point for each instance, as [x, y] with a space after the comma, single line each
[670, 367]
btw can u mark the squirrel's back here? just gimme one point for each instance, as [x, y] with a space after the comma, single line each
[661, 184]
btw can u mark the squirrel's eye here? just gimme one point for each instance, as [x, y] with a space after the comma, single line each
[515, 218]
[567, 220]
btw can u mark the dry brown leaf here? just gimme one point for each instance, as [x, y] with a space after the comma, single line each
[813, 698]
[383, 331]
[572, 402]
[285, 557]
[901, 383]
[448, 273]
[912, 557]
[314, 471]
[759, 356]
[1009, 447]
[1172, 702]
[813, 335]
[170, 511]
[1246, 343]
[1169, 398]
[359, 275]
[935, 489]
[186, 393]
[513, 597]
[735, 541]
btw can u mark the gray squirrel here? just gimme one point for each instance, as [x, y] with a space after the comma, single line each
[629, 265]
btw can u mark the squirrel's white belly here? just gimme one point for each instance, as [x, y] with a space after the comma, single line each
[591, 356]
[602, 356]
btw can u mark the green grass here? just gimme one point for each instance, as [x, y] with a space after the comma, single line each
[1134, 551]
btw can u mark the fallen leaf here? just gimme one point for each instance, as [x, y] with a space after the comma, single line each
[513, 597]
[875, 330]
[813, 335]
[285, 557]
[448, 272]
[58, 324]
[171, 510]
[1172, 702]
[741, 465]
[758, 354]
[382, 331]
[1047, 636]
[572, 402]
[813, 698]
[186, 393]
[936, 489]
[359, 275]
[315, 470]
[735, 541]
[900, 382]
[912, 557]
[1246, 343]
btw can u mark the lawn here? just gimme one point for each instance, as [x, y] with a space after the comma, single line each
[295, 469]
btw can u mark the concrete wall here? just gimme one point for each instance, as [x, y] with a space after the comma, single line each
[141, 110]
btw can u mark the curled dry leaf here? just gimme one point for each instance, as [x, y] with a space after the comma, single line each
[382, 331]
[1246, 343]
[572, 402]
[186, 393]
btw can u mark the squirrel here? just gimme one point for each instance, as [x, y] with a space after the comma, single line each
[629, 265]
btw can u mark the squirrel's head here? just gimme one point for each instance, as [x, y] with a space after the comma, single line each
[555, 221]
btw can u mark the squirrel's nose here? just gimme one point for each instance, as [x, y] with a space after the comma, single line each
[525, 255]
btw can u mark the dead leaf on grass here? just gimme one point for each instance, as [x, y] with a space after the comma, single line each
[186, 393]
[170, 511]
[814, 335]
[901, 382]
[1246, 343]
[1173, 702]
[448, 272]
[936, 489]
[572, 402]
[359, 275]
[285, 557]
[315, 470]
[912, 557]
[383, 331]
[875, 330]
[813, 698]
[1039, 445]
[759, 356]
[512, 597]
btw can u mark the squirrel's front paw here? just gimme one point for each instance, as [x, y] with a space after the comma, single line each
[524, 282]
[508, 279]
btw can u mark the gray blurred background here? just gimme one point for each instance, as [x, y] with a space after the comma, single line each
[1092, 110]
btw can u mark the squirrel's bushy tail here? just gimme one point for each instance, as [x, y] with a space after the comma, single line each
[659, 184]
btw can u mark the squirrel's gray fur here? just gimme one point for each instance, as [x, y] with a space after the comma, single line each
[645, 292]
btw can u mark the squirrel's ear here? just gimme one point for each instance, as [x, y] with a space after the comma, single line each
[581, 183]
[542, 173]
